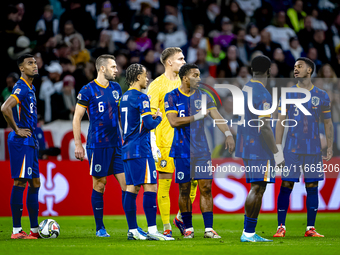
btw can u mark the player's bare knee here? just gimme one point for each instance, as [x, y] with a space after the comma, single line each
[311, 184]
[205, 188]
[287, 184]
[150, 187]
[20, 182]
[184, 189]
[35, 183]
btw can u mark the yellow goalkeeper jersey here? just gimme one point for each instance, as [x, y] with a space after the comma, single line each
[156, 92]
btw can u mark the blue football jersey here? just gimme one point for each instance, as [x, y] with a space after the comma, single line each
[102, 108]
[25, 113]
[135, 105]
[189, 140]
[249, 141]
[304, 138]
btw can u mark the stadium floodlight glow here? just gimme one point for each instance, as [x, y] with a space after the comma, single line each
[238, 100]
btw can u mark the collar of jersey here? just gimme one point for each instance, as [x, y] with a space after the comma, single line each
[187, 95]
[297, 85]
[22, 78]
[252, 80]
[100, 84]
[133, 88]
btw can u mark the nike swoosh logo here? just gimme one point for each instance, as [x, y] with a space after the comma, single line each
[163, 196]
[99, 96]
[281, 210]
[99, 208]
[179, 104]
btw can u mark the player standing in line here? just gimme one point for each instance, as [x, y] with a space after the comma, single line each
[100, 98]
[302, 150]
[20, 112]
[256, 146]
[161, 138]
[190, 148]
[139, 165]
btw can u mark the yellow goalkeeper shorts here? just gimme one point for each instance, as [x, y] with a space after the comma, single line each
[165, 163]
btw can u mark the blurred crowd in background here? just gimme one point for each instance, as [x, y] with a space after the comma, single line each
[221, 37]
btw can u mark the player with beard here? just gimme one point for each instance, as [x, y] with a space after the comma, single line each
[302, 148]
[20, 112]
[100, 99]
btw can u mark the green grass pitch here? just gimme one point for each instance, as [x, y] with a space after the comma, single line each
[78, 237]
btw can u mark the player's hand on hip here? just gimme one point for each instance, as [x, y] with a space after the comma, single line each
[24, 132]
[79, 152]
[230, 144]
[329, 154]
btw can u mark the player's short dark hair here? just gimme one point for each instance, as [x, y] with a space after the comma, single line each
[169, 52]
[308, 62]
[185, 69]
[260, 64]
[21, 59]
[101, 60]
[132, 72]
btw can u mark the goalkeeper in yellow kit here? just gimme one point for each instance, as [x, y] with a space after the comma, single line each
[161, 138]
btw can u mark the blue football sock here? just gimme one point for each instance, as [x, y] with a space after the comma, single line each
[312, 204]
[17, 205]
[98, 208]
[250, 225]
[150, 207]
[131, 209]
[33, 206]
[187, 219]
[123, 197]
[282, 205]
[208, 219]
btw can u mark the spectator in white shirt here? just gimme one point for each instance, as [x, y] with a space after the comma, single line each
[171, 37]
[281, 33]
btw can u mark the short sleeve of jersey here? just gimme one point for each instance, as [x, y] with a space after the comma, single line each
[153, 93]
[210, 103]
[326, 107]
[170, 103]
[84, 96]
[19, 92]
[264, 102]
[144, 105]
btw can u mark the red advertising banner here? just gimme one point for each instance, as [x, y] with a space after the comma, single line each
[66, 188]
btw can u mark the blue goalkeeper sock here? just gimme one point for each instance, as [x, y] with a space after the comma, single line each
[250, 225]
[33, 206]
[282, 205]
[150, 207]
[131, 209]
[187, 219]
[208, 219]
[98, 208]
[17, 205]
[123, 198]
[312, 204]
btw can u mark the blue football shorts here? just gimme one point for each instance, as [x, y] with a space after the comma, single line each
[140, 171]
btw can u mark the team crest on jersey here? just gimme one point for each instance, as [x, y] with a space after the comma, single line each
[17, 91]
[180, 175]
[146, 104]
[154, 174]
[285, 172]
[266, 106]
[29, 170]
[166, 105]
[115, 94]
[125, 97]
[163, 163]
[315, 101]
[273, 172]
[97, 168]
[79, 96]
[198, 104]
